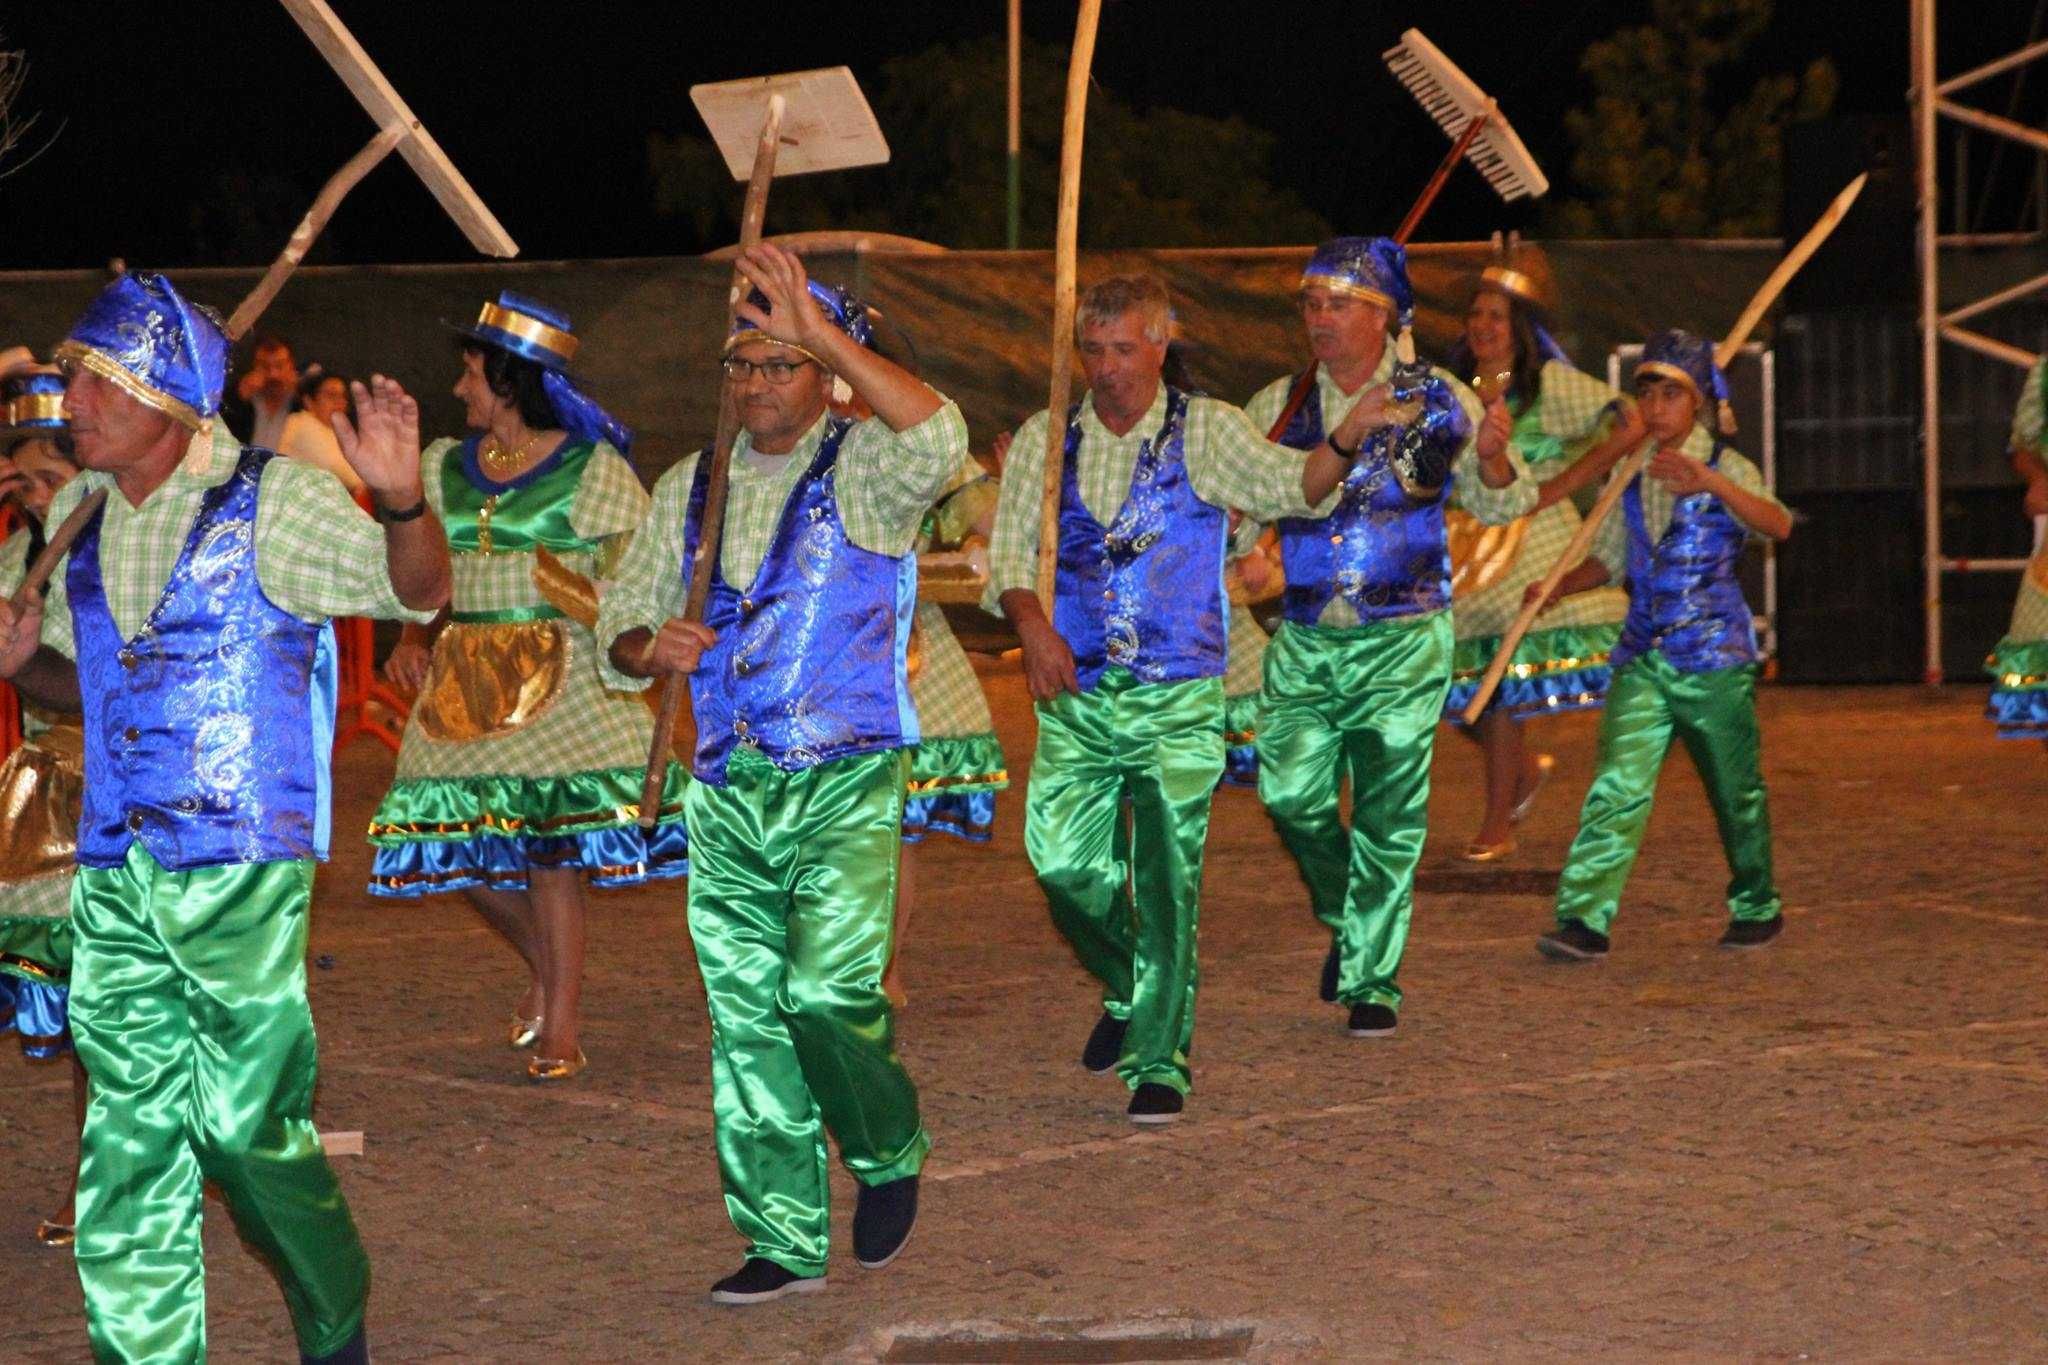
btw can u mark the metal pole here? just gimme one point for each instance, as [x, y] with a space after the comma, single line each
[1929, 236]
[1014, 220]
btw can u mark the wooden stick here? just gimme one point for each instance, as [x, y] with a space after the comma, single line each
[55, 547]
[1065, 245]
[302, 238]
[1628, 471]
[1443, 173]
[712, 529]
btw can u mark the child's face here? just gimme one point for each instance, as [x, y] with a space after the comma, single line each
[1668, 408]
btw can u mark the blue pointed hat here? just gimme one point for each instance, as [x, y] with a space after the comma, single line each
[533, 331]
[146, 338]
[1689, 359]
[32, 404]
[1371, 268]
[849, 314]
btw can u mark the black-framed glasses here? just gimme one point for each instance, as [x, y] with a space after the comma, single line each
[776, 371]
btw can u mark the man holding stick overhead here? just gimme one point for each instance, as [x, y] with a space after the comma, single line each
[804, 728]
[1357, 674]
[1686, 662]
[195, 602]
[1128, 672]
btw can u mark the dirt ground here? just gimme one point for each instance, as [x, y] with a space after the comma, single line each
[1835, 1148]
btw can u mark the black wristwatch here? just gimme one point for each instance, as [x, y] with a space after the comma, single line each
[412, 513]
[1350, 454]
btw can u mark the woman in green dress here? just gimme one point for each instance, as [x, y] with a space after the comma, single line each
[1569, 428]
[519, 776]
[2019, 666]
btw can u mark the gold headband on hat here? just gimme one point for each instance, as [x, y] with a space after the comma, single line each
[530, 330]
[69, 353]
[1511, 281]
[1659, 369]
[33, 407]
[1348, 289]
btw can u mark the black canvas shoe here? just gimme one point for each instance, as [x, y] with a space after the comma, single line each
[761, 1280]
[882, 1221]
[1371, 1021]
[1156, 1103]
[1105, 1044]
[1573, 941]
[1329, 988]
[1752, 933]
[356, 1351]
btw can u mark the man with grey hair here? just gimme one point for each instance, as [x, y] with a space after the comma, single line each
[1128, 672]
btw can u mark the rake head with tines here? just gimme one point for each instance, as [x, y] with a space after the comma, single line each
[1470, 118]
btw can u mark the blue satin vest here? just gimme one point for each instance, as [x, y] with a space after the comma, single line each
[1684, 596]
[810, 663]
[1145, 592]
[208, 735]
[1382, 548]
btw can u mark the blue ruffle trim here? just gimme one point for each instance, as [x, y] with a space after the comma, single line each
[619, 856]
[1544, 694]
[2019, 713]
[40, 1014]
[1241, 765]
[964, 815]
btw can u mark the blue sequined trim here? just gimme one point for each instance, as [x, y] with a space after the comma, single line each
[613, 857]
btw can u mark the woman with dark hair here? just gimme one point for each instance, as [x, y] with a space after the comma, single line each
[1569, 428]
[519, 775]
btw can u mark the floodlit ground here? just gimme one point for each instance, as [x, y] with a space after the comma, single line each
[1833, 1148]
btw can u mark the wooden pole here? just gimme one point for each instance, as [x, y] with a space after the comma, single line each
[54, 549]
[1627, 472]
[302, 238]
[712, 529]
[1443, 173]
[1013, 169]
[1065, 245]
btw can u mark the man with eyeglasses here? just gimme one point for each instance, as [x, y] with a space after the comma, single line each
[804, 729]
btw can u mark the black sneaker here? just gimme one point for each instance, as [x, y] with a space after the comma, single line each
[882, 1221]
[1752, 933]
[761, 1280]
[1105, 1044]
[1329, 989]
[355, 1351]
[1371, 1021]
[1573, 941]
[1156, 1103]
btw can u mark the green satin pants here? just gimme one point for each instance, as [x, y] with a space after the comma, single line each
[188, 1005]
[1361, 702]
[1714, 715]
[1128, 902]
[792, 906]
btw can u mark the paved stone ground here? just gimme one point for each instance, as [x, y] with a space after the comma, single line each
[1835, 1148]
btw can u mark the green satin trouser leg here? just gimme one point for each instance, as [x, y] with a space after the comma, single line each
[792, 902]
[1130, 909]
[1714, 716]
[188, 1005]
[1361, 702]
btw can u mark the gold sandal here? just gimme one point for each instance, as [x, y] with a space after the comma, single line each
[521, 1032]
[556, 1068]
[1476, 852]
[52, 1233]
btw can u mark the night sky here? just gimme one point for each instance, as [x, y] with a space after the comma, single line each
[170, 115]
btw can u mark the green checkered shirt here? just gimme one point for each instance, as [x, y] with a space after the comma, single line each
[317, 553]
[2027, 417]
[1571, 404]
[1610, 542]
[885, 482]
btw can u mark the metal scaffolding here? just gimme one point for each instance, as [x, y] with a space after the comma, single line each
[1932, 99]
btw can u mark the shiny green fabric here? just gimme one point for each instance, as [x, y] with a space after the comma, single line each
[188, 1006]
[1361, 702]
[461, 808]
[1714, 715]
[792, 904]
[1130, 908]
[506, 614]
[536, 513]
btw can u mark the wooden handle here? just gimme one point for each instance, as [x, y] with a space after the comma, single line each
[1787, 268]
[309, 228]
[55, 547]
[1443, 173]
[1065, 245]
[711, 530]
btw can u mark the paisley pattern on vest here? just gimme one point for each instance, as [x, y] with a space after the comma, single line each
[1684, 595]
[810, 661]
[1383, 547]
[207, 735]
[1145, 592]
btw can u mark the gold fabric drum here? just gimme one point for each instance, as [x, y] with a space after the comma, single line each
[1480, 554]
[491, 678]
[42, 786]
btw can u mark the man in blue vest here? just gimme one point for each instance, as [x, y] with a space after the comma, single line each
[804, 731]
[1686, 663]
[1128, 672]
[195, 604]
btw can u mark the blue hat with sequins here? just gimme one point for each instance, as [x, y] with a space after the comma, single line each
[157, 347]
[846, 312]
[32, 403]
[1689, 359]
[531, 330]
[1371, 268]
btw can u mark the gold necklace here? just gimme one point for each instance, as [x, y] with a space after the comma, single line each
[500, 463]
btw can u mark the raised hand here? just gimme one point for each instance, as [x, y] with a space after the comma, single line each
[383, 447]
[1494, 428]
[792, 315]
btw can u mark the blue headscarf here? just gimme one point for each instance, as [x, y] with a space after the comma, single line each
[1374, 269]
[1689, 359]
[143, 336]
[533, 331]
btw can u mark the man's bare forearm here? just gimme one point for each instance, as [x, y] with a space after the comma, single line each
[416, 556]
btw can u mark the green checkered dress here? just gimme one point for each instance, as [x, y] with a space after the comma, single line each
[2019, 665]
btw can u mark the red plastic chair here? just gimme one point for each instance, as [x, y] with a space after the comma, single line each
[357, 683]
